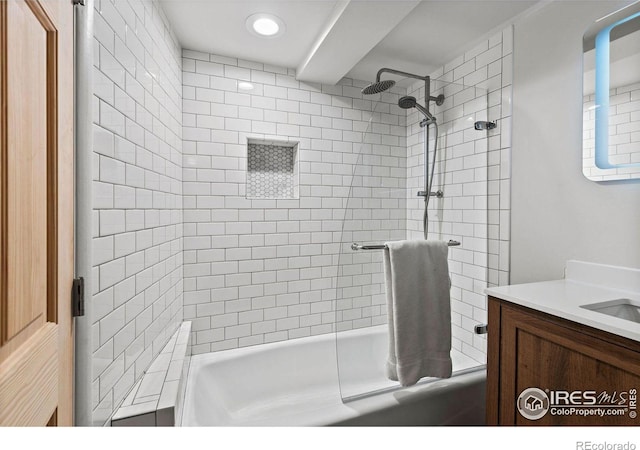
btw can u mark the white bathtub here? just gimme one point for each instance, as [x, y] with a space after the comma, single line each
[296, 383]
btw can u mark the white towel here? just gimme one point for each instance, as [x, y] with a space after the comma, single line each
[419, 310]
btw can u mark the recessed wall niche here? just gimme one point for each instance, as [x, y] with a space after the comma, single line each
[272, 169]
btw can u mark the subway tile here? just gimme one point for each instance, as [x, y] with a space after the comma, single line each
[111, 119]
[273, 257]
[196, 80]
[209, 68]
[209, 95]
[150, 117]
[111, 222]
[237, 331]
[112, 171]
[102, 250]
[103, 87]
[275, 337]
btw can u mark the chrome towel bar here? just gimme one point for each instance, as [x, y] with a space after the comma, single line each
[356, 247]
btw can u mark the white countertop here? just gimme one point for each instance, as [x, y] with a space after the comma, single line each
[584, 283]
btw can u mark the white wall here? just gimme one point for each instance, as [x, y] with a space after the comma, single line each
[137, 303]
[263, 270]
[258, 271]
[557, 214]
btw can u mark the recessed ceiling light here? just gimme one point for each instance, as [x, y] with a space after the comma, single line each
[245, 86]
[265, 25]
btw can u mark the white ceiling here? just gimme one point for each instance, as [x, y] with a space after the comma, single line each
[434, 33]
[218, 26]
[328, 39]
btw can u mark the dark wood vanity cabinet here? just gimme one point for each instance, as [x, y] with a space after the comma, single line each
[574, 366]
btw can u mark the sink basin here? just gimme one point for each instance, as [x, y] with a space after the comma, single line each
[622, 308]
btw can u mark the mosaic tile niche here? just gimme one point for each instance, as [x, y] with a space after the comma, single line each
[272, 169]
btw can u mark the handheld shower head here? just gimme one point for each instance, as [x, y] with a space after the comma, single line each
[408, 102]
[378, 87]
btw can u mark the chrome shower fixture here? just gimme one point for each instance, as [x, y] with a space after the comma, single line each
[381, 86]
[408, 102]
[484, 125]
[378, 87]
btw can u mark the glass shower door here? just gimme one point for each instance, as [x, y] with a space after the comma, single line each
[383, 206]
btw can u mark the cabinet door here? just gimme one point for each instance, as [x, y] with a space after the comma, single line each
[540, 353]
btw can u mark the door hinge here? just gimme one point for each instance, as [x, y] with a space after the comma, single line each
[78, 2]
[77, 297]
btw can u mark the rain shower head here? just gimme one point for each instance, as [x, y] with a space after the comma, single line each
[408, 102]
[378, 87]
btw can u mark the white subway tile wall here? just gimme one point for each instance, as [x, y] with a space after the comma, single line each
[473, 170]
[624, 134]
[171, 201]
[138, 226]
[263, 270]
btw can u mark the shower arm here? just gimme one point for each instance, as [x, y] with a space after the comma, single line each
[398, 72]
[426, 79]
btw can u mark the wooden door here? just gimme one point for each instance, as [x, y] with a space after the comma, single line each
[36, 212]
